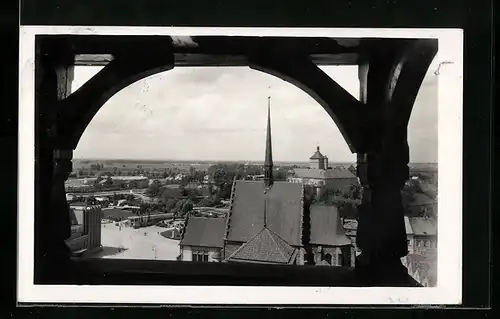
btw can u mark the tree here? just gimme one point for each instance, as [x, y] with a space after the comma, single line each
[171, 193]
[98, 180]
[407, 197]
[90, 200]
[170, 204]
[207, 202]
[220, 176]
[109, 181]
[309, 194]
[187, 206]
[154, 190]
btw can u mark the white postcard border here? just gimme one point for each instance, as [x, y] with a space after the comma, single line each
[449, 286]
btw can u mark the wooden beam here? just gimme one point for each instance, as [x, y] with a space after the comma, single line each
[301, 71]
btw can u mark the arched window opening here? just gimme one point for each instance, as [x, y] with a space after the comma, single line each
[172, 158]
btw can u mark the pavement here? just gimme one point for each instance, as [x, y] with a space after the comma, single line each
[142, 243]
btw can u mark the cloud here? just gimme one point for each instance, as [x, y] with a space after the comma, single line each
[220, 114]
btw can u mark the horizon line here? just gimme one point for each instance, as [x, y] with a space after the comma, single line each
[220, 160]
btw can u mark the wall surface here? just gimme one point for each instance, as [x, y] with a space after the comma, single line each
[335, 252]
[187, 252]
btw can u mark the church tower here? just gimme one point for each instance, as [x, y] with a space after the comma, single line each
[318, 160]
[268, 162]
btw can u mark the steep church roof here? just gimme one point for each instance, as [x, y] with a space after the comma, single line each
[203, 232]
[283, 204]
[265, 247]
[326, 228]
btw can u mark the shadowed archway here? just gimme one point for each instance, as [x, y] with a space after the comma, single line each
[391, 72]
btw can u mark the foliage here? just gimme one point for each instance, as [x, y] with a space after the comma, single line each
[170, 193]
[187, 206]
[209, 201]
[154, 190]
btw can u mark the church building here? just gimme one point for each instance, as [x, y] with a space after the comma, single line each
[271, 222]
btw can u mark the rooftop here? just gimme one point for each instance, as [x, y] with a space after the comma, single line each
[323, 173]
[265, 247]
[284, 209]
[203, 232]
[423, 226]
[326, 228]
[317, 154]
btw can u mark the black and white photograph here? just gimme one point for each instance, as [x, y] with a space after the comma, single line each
[240, 165]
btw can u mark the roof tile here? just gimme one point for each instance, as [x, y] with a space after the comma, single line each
[284, 211]
[266, 246]
[203, 232]
[326, 228]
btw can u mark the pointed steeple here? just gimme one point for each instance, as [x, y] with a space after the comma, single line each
[268, 162]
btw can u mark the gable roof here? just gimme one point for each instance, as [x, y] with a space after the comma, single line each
[332, 173]
[326, 228]
[423, 226]
[266, 247]
[203, 232]
[284, 207]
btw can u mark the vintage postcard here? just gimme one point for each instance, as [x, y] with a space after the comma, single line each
[250, 166]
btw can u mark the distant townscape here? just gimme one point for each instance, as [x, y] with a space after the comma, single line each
[275, 213]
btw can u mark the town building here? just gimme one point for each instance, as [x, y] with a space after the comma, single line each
[421, 260]
[328, 240]
[85, 228]
[202, 239]
[322, 177]
[423, 237]
[268, 222]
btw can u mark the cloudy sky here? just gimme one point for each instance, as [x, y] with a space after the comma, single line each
[220, 114]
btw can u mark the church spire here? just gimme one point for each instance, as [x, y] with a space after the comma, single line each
[268, 162]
